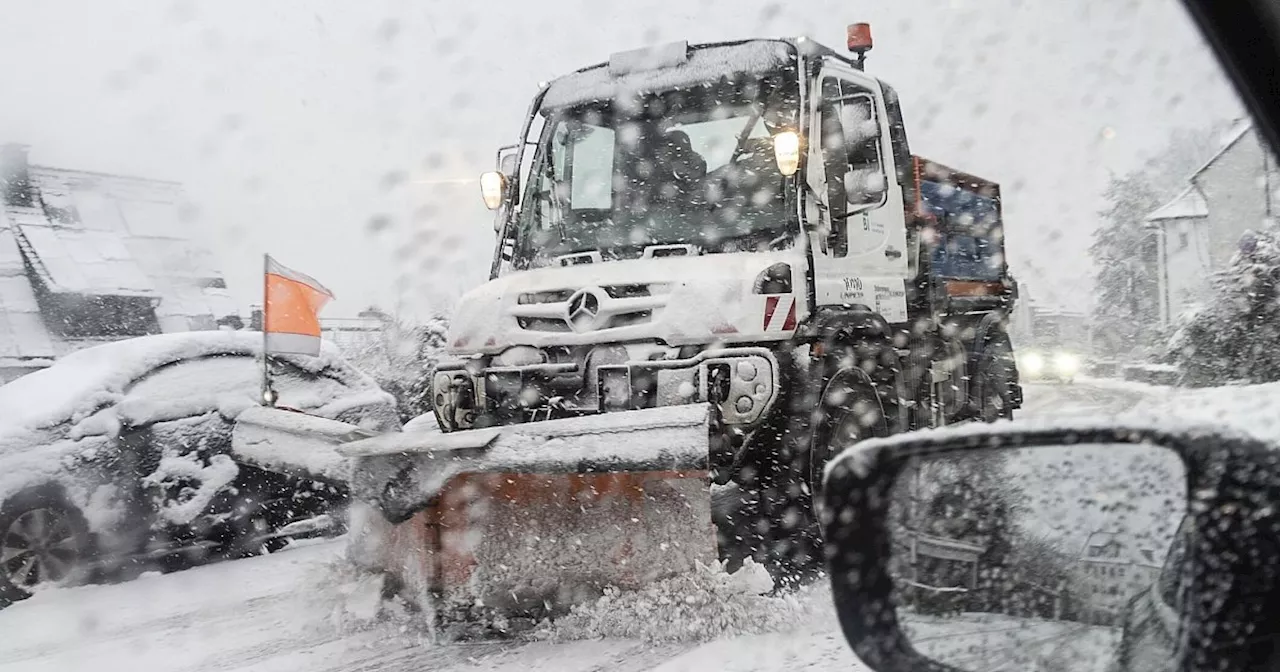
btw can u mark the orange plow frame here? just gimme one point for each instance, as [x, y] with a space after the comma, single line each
[536, 517]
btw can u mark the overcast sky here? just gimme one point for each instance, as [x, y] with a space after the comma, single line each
[343, 136]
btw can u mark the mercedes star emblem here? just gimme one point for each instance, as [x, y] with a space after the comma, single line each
[584, 306]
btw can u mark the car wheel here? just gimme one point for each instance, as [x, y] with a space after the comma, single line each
[43, 541]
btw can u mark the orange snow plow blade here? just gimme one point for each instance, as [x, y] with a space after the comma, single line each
[535, 517]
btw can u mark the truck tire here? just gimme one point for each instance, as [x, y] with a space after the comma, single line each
[992, 399]
[850, 411]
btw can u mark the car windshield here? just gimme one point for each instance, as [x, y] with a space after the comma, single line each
[693, 167]
[382, 335]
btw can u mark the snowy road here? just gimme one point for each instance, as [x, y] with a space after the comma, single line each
[288, 612]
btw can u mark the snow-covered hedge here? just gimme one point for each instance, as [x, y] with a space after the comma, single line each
[1235, 335]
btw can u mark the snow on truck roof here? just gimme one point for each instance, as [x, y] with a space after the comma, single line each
[625, 74]
[84, 380]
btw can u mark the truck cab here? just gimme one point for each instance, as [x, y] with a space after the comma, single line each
[740, 224]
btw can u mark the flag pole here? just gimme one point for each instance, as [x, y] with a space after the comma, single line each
[267, 396]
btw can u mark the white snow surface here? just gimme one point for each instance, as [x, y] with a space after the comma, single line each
[306, 609]
[704, 605]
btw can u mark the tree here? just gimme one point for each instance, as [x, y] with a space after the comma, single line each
[1126, 289]
[402, 359]
[966, 498]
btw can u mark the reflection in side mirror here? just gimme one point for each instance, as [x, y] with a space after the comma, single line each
[1030, 558]
[493, 189]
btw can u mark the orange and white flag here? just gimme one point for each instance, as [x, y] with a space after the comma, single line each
[291, 309]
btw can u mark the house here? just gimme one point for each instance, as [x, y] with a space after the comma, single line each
[1199, 230]
[89, 257]
[1111, 569]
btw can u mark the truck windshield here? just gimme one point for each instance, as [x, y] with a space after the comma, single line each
[693, 166]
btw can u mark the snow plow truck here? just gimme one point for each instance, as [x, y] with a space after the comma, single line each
[716, 266]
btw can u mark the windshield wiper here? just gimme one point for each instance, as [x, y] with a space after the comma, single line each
[557, 207]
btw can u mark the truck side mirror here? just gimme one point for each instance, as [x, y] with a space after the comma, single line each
[497, 187]
[507, 166]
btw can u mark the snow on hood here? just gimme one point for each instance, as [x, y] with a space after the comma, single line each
[710, 298]
[84, 381]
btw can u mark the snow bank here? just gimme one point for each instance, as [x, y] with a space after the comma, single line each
[707, 604]
[1249, 409]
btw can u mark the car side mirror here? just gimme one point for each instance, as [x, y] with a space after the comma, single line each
[985, 548]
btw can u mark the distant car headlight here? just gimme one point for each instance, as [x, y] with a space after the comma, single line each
[1031, 363]
[1066, 363]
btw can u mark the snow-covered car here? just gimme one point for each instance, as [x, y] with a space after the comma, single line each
[1049, 364]
[122, 452]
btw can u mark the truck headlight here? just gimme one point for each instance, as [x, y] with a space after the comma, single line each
[1066, 363]
[1032, 363]
[786, 152]
[493, 186]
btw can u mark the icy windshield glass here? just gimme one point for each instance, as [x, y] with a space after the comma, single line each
[693, 166]
[392, 335]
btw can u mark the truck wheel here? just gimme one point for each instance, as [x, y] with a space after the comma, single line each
[995, 374]
[850, 412]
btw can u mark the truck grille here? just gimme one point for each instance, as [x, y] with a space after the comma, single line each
[629, 319]
[616, 306]
[535, 298]
[542, 324]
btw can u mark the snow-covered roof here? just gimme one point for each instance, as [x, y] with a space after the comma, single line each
[1229, 139]
[1189, 203]
[95, 234]
[1109, 547]
[22, 331]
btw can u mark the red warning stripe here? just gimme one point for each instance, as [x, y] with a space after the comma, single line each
[770, 305]
[772, 315]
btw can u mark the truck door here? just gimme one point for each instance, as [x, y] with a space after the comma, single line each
[859, 242]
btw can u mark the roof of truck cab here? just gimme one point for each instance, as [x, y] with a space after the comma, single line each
[589, 82]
